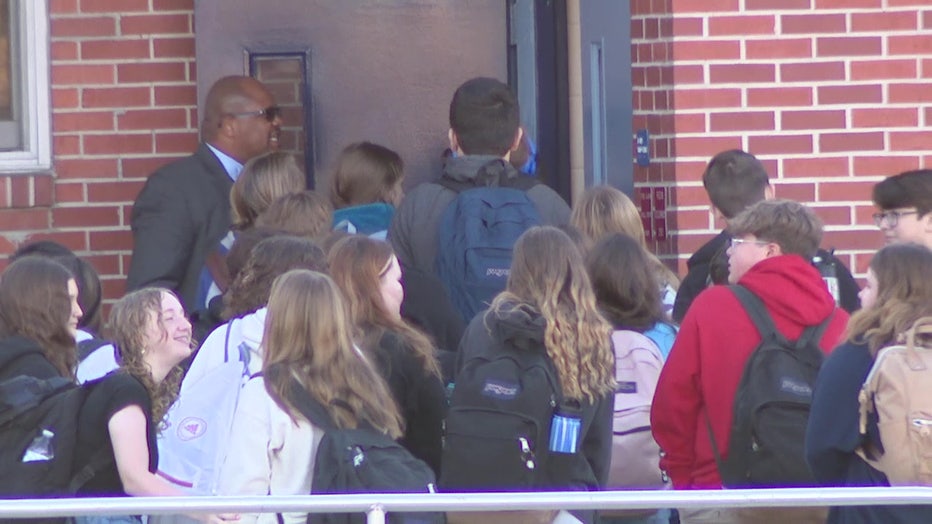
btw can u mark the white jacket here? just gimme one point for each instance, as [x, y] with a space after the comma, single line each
[245, 335]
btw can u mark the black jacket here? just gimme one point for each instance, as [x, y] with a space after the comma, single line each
[709, 265]
[181, 214]
[23, 356]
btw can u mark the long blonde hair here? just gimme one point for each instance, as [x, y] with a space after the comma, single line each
[127, 328]
[904, 294]
[602, 211]
[548, 276]
[308, 338]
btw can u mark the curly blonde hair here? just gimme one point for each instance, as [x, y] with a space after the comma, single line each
[549, 277]
[127, 329]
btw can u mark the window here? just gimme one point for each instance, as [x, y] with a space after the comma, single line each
[24, 86]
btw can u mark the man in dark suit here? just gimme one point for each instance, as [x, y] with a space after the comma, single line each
[182, 214]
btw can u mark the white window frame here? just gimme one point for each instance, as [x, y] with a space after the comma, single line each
[32, 59]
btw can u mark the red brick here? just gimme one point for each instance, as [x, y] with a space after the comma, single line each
[155, 24]
[173, 5]
[149, 119]
[883, 69]
[741, 25]
[175, 142]
[64, 98]
[117, 49]
[651, 28]
[185, 95]
[837, 4]
[66, 145]
[885, 117]
[849, 94]
[173, 47]
[688, 74]
[834, 215]
[61, 51]
[112, 288]
[741, 73]
[69, 192]
[83, 26]
[853, 239]
[105, 264]
[683, 196]
[86, 168]
[812, 71]
[838, 190]
[82, 74]
[63, 122]
[700, 220]
[707, 50]
[815, 167]
[798, 191]
[768, 5]
[143, 167]
[123, 191]
[704, 146]
[110, 6]
[819, 119]
[684, 26]
[813, 23]
[117, 97]
[848, 46]
[73, 240]
[111, 240]
[637, 29]
[886, 22]
[61, 7]
[779, 96]
[42, 190]
[26, 219]
[910, 140]
[84, 216]
[707, 98]
[152, 72]
[742, 121]
[835, 142]
[780, 144]
[689, 170]
[909, 93]
[908, 45]
[927, 19]
[778, 48]
[21, 192]
[689, 122]
[926, 67]
[927, 116]
[117, 144]
[885, 165]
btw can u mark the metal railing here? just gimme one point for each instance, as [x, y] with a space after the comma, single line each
[376, 506]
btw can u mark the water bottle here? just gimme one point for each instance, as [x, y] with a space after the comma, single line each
[40, 449]
[829, 275]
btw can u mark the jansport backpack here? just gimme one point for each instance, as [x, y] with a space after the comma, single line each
[497, 428]
[772, 404]
[635, 453]
[897, 396]
[477, 234]
[362, 460]
[38, 434]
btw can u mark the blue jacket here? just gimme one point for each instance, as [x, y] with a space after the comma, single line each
[833, 436]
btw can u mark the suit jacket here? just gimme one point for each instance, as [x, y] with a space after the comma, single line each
[182, 213]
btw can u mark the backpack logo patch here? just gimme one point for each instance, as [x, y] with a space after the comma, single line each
[500, 389]
[191, 428]
[628, 387]
[796, 387]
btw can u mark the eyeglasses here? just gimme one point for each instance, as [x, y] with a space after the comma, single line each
[270, 113]
[735, 242]
[892, 218]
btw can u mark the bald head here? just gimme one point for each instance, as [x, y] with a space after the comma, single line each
[228, 124]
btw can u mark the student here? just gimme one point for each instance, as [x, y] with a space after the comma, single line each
[898, 292]
[263, 180]
[604, 210]
[306, 214]
[771, 245]
[735, 180]
[369, 276]
[549, 308]
[39, 315]
[365, 188]
[124, 410]
[905, 203]
[308, 339]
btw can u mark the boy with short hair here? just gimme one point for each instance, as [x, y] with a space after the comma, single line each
[905, 203]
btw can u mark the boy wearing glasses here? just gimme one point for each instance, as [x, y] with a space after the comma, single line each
[770, 247]
[905, 203]
[181, 218]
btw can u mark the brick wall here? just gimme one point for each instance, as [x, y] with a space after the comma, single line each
[123, 103]
[831, 94]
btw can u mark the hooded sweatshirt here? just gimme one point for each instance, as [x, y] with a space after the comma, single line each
[245, 337]
[701, 375]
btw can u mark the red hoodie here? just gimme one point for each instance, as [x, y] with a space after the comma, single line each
[705, 365]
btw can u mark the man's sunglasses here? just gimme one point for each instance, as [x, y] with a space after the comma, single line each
[270, 113]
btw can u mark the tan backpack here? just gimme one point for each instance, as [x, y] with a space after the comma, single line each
[899, 390]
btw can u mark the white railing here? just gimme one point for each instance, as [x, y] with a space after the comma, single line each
[376, 506]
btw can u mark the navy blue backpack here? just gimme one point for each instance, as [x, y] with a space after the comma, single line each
[478, 231]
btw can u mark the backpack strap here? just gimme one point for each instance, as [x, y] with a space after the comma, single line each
[756, 309]
[101, 459]
[309, 407]
[522, 182]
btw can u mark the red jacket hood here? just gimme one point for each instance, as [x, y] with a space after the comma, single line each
[791, 287]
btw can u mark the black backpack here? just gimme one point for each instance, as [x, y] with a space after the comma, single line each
[771, 408]
[38, 434]
[497, 429]
[362, 460]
